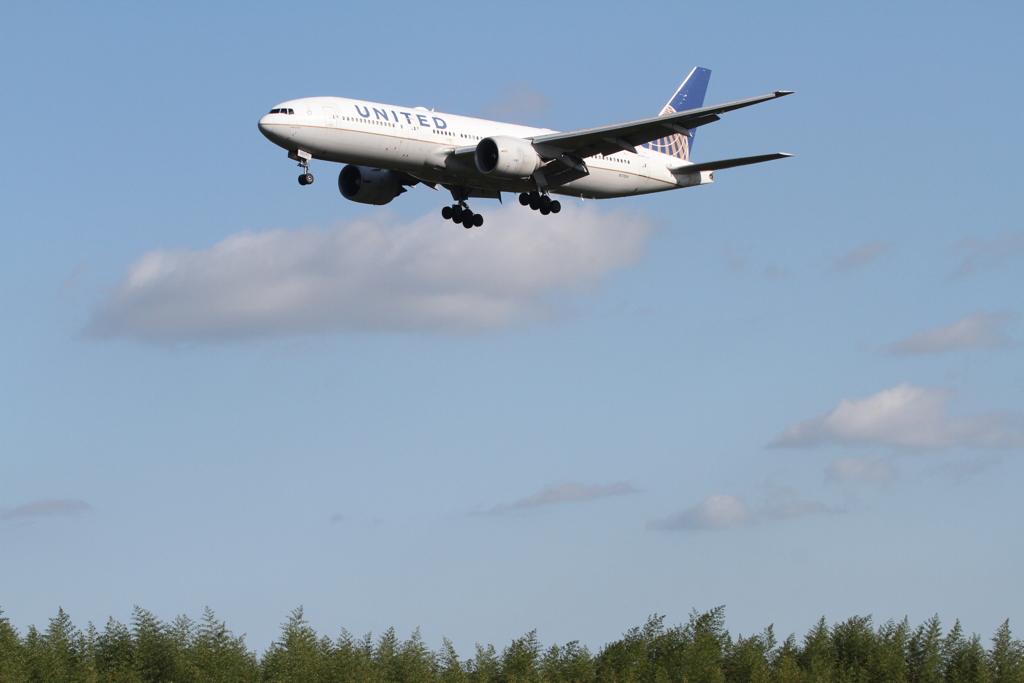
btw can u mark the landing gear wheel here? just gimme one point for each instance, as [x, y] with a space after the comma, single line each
[478, 220]
[467, 219]
[446, 213]
[545, 205]
[524, 199]
[306, 179]
[544, 210]
[457, 214]
[556, 206]
[534, 203]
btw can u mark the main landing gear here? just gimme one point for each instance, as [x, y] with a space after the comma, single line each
[540, 202]
[460, 213]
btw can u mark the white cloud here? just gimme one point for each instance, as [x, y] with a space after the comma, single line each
[982, 254]
[373, 274]
[977, 330]
[905, 416]
[718, 511]
[862, 255]
[861, 470]
[566, 492]
[46, 507]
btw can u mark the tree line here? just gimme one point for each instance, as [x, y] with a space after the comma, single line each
[148, 650]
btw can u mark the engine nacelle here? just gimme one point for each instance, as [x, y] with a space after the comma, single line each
[507, 157]
[369, 185]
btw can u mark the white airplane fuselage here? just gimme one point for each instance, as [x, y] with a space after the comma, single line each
[420, 142]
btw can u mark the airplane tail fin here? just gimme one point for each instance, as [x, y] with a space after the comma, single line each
[689, 96]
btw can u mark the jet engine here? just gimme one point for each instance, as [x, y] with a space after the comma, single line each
[368, 185]
[507, 157]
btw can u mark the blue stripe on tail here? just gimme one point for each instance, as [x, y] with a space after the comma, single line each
[689, 96]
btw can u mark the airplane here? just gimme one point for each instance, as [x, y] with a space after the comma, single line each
[386, 148]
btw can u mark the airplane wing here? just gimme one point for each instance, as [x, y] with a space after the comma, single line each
[627, 136]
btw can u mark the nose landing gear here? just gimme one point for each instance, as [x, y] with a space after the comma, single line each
[303, 157]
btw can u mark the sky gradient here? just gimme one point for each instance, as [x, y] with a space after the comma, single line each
[797, 392]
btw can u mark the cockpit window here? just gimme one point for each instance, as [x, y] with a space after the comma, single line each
[282, 111]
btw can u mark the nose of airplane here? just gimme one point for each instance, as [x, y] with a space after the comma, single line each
[265, 128]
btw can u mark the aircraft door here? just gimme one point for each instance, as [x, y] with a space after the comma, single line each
[331, 117]
[408, 145]
[641, 176]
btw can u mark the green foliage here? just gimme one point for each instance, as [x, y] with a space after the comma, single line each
[484, 667]
[298, 657]
[699, 651]
[520, 660]
[853, 643]
[818, 658]
[785, 665]
[1006, 659]
[571, 663]
[13, 667]
[925, 653]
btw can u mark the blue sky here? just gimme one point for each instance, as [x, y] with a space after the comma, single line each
[797, 392]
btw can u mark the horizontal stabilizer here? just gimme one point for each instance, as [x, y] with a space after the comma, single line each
[728, 163]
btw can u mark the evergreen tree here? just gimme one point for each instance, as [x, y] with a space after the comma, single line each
[297, 657]
[1006, 659]
[785, 665]
[58, 655]
[889, 664]
[215, 654]
[113, 654]
[485, 666]
[414, 663]
[629, 660]
[705, 647]
[964, 659]
[519, 661]
[924, 658]
[748, 659]
[818, 657]
[571, 663]
[352, 660]
[154, 655]
[182, 636]
[450, 669]
[13, 667]
[854, 644]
